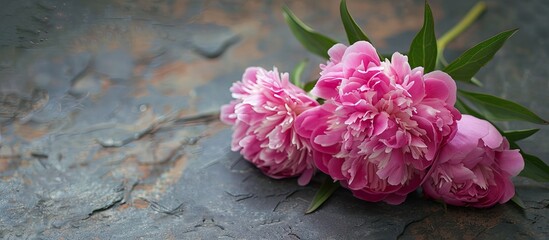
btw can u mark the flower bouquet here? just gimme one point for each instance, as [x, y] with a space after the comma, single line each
[384, 126]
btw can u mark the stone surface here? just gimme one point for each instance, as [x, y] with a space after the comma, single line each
[108, 113]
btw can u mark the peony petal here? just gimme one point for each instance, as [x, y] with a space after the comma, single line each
[322, 161]
[395, 170]
[416, 86]
[381, 122]
[395, 199]
[357, 174]
[336, 52]
[334, 168]
[459, 173]
[413, 183]
[309, 120]
[508, 190]
[510, 161]
[366, 50]
[400, 66]
[227, 114]
[306, 177]
[250, 75]
[440, 85]
[326, 87]
[320, 141]
[475, 128]
[370, 197]
[493, 139]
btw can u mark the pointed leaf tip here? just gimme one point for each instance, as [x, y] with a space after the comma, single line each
[354, 33]
[516, 135]
[470, 62]
[499, 109]
[326, 190]
[311, 40]
[516, 199]
[423, 50]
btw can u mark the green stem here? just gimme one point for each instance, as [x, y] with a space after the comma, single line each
[471, 16]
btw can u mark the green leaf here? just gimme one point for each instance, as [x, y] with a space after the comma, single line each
[516, 135]
[470, 62]
[309, 85]
[423, 50]
[295, 76]
[354, 33]
[476, 82]
[516, 199]
[324, 192]
[311, 40]
[534, 168]
[465, 109]
[498, 109]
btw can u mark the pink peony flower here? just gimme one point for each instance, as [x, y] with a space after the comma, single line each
[382, 123]
[475, 167]
[263, 115]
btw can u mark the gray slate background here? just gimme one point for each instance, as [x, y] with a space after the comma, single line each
[108, 113]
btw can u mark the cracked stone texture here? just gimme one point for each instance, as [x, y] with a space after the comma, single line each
[108, 113]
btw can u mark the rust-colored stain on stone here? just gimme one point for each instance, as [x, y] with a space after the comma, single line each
[137, 38]
[29, 132]
[468, 222]
[140, 204]
[4, 163]
[179, 78]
